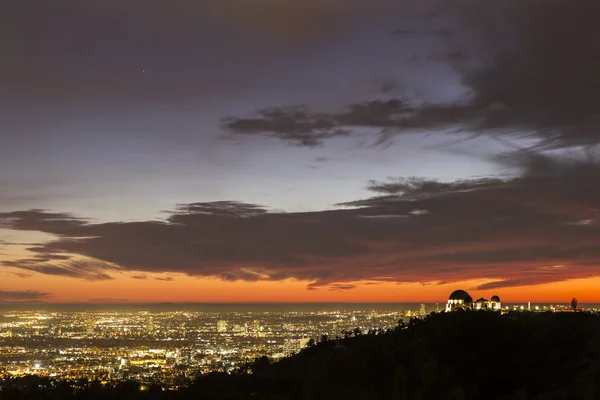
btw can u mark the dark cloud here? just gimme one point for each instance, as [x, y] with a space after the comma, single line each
[304, 127]
[419, 187]
[89, 269]
[164, 279]
[540, 226]
[56, 223]
[340, 287]
[139, 277]
[298, 125]
[23, 296]
[539, 61]
[529, 69]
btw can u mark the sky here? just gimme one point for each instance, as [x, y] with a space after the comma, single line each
[299, 151]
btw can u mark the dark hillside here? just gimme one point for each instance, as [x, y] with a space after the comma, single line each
[463, 355]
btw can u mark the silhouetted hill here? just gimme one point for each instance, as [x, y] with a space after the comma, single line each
[461, 355]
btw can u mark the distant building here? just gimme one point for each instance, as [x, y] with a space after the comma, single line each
[304, 342]
[461, 300]
[149, 325]
[125, 363]
[495, 303]
[183, 357]
[293, 346]
[221, 326]
[484, 304]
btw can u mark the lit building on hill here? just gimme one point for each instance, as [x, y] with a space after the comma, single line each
[458, 300]
[495, 303]
[461, 300]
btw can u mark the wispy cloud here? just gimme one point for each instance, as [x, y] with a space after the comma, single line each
[23, 296]
[527, 72]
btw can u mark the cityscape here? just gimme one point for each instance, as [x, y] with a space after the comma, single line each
[174, 347]
[165, 346]
[300, 200]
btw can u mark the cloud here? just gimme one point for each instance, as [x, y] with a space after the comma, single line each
[412, 230]
[56, 223]
[529, 70]
[164, 279]
[84, 268]
[303, 127]
[294, 124]
[418, 187]
[23, 296]
[538, 61]
[340, 287]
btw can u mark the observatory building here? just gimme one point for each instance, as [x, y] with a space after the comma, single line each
[461, 300]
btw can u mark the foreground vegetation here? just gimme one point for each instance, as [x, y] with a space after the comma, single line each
[455, 356]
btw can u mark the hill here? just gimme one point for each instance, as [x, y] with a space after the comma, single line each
[454, 356]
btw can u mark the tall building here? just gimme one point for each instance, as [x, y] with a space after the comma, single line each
[221, 326]
[183, 357]
[90, 326]
[125, 363]
[293, 346]
[149, 325]
[422, 311]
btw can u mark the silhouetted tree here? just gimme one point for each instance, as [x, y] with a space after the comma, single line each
[574, 303]
[260, 364]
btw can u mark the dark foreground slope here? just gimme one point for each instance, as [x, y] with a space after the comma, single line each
[463, 355]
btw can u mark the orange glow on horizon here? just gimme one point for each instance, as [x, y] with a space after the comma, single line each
[183, 288]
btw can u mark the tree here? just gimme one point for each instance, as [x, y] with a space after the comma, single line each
[574, 303]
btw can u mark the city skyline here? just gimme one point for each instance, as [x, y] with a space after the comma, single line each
[312, 151]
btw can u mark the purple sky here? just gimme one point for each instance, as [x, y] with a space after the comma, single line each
[116, 113]
[120, 111]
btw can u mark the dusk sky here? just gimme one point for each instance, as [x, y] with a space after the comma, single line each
[299, 151]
